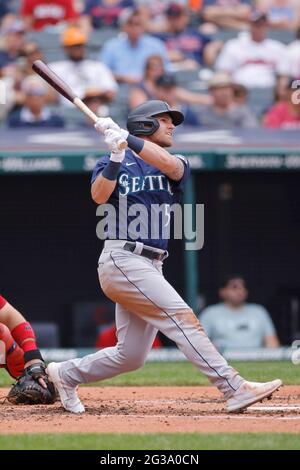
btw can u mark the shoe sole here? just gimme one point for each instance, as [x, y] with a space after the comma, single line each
[242, 407]
[53, 373]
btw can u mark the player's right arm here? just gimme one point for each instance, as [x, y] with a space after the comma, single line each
[104, 178]
[102, 188]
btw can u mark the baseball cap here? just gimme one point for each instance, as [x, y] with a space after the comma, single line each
[175, 9]
[33, 85]
[72, 37]
[258, 16]
[166, 80]
[219, 80]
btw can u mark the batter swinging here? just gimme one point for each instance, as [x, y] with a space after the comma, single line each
[130, 270]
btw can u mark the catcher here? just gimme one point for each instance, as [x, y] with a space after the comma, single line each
[22, 359]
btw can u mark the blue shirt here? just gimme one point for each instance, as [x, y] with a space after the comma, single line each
[104, 14]
[126, 59]
[143, 184]
[189, 42]
[245, 327]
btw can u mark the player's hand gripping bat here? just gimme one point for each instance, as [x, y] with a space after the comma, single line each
[56, 82]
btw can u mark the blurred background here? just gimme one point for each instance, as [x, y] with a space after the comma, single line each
[232, 67]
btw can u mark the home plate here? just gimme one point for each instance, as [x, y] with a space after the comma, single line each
[275, 408]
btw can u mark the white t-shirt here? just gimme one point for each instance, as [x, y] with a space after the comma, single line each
[293, 54]
[253, 64]
[84, 74]
[245, 327]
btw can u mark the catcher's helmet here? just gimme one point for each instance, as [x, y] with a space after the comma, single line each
[141, 120]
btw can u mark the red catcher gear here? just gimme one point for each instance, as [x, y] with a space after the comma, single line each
[14, 354]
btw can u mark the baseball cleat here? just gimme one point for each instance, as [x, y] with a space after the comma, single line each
[251, 392]
[67, 394]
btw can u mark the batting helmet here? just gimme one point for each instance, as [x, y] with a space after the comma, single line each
[141, 120]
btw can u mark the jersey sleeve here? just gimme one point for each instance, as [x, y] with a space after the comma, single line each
[187, 171]
[99, 167]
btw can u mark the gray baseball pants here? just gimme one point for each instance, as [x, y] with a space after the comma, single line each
[146, 303]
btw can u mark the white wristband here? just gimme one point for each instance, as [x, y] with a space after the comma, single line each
[117, 156]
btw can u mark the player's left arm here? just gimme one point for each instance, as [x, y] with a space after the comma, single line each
[157, 156]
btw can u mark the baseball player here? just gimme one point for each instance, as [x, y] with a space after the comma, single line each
[130, 268]
[20, 356]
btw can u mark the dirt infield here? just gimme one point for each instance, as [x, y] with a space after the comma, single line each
[154, 409]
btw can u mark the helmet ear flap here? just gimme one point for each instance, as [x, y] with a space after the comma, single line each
[143, 126]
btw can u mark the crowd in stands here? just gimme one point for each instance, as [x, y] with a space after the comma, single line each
[224, 63]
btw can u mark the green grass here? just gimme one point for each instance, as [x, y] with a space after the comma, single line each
[183, 373]
[149, 441]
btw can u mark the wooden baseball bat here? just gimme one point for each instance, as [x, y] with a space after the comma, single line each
[56, 82]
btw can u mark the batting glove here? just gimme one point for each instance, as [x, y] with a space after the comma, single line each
[112, 139]
[117, 156]
[103, 124]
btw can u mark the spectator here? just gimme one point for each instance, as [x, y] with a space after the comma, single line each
[235, 324]
[39, 14]
[29, 53]
[285, 114]
[34, 113]
[293, 54]
[126, 55]
[254, 60]
[283, 14]
[240, 94]
[147, 88]
[103, 13]
[233, 14]
[225, 112]
[93, 98]
[81, 73]
[166, 90]
[14, 40]
[186, 46]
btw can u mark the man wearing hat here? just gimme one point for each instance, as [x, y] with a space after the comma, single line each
[186, 46]
[224, 112]
[34, 113]
[80, 72]
[253, 59]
